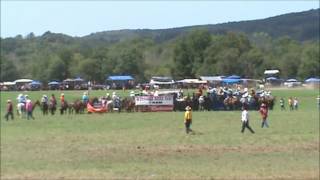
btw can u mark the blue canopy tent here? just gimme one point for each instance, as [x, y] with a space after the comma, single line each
[233, 77]
[231, 81]
[117, 82]
[120, 78]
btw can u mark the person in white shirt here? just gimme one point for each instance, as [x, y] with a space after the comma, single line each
[295, 103]
[245, 120]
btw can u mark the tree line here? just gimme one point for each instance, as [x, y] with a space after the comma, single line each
[199, 52]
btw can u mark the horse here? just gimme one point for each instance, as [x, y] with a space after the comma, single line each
[79, 106]
[64, 107]
[128, 104]
[45, 108]
[52, 107]
[231, 103]
[269, 101]
[21, 110]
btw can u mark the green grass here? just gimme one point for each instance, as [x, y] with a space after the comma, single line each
[155, 146]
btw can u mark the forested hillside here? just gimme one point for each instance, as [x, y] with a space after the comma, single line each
[288, 42]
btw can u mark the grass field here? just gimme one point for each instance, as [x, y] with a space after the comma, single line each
[155, 146]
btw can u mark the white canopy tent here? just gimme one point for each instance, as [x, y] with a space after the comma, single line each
[192, 81]
[271, 72]
[8, 83]
[23, 81]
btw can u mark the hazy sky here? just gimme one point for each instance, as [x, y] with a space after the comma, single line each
[78, 18]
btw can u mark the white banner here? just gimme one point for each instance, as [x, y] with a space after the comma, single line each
[154, 100]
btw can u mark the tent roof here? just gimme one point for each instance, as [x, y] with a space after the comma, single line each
[211, 78]
[291, 80]
[120, 78]
[227, 80]
[8, 83]
[310, 80]
[275, 71]
[78, 79]
[271, 78]
[53, 83]
[192, 81]
[23, 81]
[233, 77]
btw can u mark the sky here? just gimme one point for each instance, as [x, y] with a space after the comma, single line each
[79, 18]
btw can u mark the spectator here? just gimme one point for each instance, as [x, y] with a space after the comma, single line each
[9, 110]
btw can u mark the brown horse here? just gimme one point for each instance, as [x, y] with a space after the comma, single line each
[79, 106]
[128, 104]
[231, 103]
[64, 107]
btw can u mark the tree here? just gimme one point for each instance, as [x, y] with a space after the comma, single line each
[56, 69]
[9, 71]
[309, 66]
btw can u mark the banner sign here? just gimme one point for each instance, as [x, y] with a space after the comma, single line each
[166, 100]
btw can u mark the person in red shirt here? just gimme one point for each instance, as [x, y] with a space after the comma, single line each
[264, 115]
[9, 110]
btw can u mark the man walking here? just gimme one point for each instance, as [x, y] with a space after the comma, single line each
[245, 119]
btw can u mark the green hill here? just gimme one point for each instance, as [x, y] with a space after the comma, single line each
[301, 26]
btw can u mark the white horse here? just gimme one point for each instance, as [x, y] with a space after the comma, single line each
[21, 109]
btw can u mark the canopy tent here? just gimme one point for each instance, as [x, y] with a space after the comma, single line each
[35, 83]
[211, 78]
[271, 78]
[291, 80]
[68, 80]
[53, 83]
[78, 79]
[233, 77]
[192, 81]
[8, 83]
[23, 81]
[231, 81]
[161, 80]
[120, 78]
[312, 80]
[270, 72]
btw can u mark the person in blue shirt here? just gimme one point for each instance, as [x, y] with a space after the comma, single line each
[85, 97]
